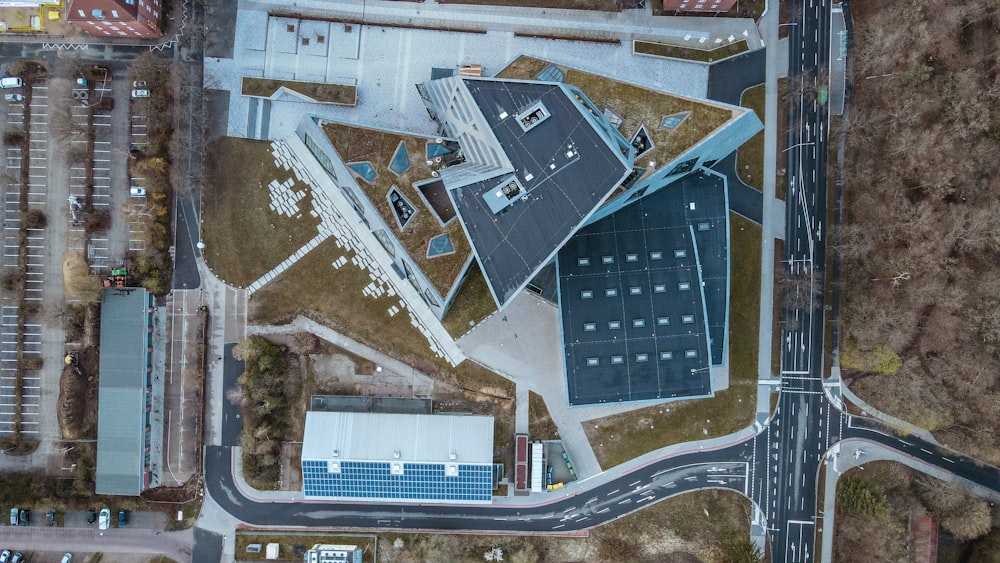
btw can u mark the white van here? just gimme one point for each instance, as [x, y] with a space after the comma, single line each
[11, 82]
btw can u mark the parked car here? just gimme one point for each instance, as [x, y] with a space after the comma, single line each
[139, 84]
[67, 558]
[17, 558]
[11, 82]
[14, 97]
[140, 93]
[91, 516]
[50, 517]
[14, 512]
[122, 518]
[4, 556]
[104, 519]
[136, 191]
[22, 517]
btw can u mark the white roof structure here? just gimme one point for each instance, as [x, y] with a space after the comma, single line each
[398, 437]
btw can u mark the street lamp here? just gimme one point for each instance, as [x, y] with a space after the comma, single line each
[799, 145]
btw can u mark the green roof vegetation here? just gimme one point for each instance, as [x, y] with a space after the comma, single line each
[637, 106]
[690, 53]
[341, 94]
[354, 144]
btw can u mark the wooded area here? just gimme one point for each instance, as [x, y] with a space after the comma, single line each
[921, 242]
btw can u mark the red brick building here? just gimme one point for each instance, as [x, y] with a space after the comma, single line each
[697, 5]
[116, 18]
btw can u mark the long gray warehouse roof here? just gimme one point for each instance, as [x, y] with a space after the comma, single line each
[122, 399]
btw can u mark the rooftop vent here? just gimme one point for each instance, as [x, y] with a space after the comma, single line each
[453, 456]
[533, 116]
[395, 454]
[502, 196]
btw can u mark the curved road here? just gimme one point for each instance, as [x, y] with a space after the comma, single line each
[725, 468]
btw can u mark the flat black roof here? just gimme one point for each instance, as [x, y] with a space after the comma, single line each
[564, 165]
[633, 309]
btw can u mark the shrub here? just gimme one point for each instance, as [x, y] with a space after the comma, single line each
[14, 138]
[36, 219]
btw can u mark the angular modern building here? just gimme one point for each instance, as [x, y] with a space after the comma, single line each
[124, 427]
[398, 457]
[545, 168]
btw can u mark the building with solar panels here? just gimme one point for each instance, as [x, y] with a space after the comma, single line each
[398, 457]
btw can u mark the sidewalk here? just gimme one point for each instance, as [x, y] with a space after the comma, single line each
[773, 209]
[625, 25]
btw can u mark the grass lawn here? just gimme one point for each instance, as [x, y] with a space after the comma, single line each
[340, 94]
[244, 238]
[619, 438]
[782, 161]
[333, 296]
[288, 540]
[312, 287]
[637, 106]
[472, 304]
[777, 309]
[540, 424]
[750, 156]
[690, 53]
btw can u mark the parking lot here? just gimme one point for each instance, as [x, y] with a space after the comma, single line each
[34, 271]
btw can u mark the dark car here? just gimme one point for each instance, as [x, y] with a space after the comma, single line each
[122, 518]
[50, 517]
[91, 516]
[23, 517]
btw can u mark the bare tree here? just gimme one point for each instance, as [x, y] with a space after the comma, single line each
[802, 286]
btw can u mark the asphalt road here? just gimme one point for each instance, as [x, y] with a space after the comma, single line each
[803, 426]
[232, 368]
[726, 82]
[588, 508]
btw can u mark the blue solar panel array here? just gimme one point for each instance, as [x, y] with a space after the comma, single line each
[419, 481]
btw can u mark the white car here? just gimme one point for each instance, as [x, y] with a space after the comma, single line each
[136, 191]
[140, 93]
[67, 558]
[14, 97]
[104, 519]
[139, 84]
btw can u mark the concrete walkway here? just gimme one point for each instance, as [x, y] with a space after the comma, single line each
[625, 25]
[773, 219]
[522, 343]
[287, 262]
[304, 324]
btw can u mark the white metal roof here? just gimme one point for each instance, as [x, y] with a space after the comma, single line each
[398, 437]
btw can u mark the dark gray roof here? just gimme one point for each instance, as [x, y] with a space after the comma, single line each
[121, 420]
[644, 253]
[560, 190]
